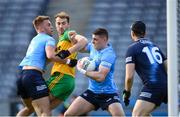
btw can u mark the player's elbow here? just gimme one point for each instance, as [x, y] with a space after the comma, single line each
[50, 56]
[100, 79]
[83, 41]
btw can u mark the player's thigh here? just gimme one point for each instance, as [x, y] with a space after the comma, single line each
[79, 106]
[116, 109]
[41, 105]
[143, 108]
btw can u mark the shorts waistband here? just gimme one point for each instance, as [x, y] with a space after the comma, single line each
[31, 70]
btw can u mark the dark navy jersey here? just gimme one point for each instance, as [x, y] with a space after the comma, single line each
[148, 60]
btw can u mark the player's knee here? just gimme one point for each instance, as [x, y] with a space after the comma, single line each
[29, 110]
[44, 114]
[67, 113]
[138, 112]
[25, 112]
[117, 113]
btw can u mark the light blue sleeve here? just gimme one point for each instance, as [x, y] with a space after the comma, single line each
[50, 42]
[88, 47]
[108, 59]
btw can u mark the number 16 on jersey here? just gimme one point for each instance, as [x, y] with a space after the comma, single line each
[153, 54]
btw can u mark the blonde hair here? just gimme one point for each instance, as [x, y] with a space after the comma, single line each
[63, 15]
[39, 19]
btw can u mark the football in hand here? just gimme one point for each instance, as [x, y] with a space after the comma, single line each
[87, 64]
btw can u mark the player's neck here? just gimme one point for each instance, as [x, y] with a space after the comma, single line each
[106, 45]
[136, 39]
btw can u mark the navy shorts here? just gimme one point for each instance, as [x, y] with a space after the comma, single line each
[31, 84]
[100, 100]
[154, 95]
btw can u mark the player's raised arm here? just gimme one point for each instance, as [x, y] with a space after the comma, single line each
[81, 42]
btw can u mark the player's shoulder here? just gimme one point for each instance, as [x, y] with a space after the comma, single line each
[134, 45]
[44, 36]
[134, 48]
[140, 43]
[109, 51]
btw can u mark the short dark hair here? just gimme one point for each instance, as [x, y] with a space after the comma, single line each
[63, 15]
[101, 32]
[39, 19]
[139, 28]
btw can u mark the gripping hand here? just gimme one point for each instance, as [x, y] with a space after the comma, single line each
[80, 67]
[126, 95]
[63, 54]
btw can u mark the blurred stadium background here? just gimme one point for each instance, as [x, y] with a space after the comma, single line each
[16, 31]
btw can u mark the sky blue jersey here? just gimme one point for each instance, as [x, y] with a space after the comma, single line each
[36, 54]
[105, 57]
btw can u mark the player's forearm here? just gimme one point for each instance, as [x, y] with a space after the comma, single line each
[54, 58]
[51, 55]
[81, 43]
[99, 77]
[128, 84]
[130, 68]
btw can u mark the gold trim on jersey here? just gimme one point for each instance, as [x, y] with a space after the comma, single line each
[55, 81]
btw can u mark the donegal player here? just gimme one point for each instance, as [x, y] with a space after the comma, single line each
[62, 81]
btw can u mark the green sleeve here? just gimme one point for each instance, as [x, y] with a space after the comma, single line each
[65, 36]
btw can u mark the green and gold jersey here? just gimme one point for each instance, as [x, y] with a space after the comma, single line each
[64, 44]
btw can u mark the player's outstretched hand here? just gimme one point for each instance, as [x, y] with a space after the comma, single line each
[63, 54]
[126, 95]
